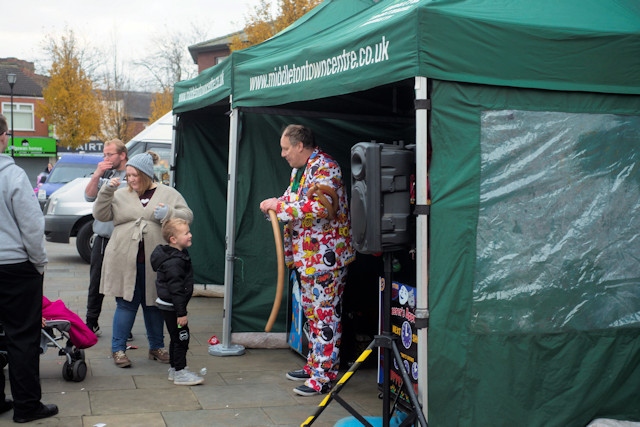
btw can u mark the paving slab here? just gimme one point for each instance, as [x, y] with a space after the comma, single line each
[246, 390]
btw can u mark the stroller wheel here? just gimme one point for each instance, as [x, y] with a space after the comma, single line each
[79, 369]
[75, 371]
[67, 373]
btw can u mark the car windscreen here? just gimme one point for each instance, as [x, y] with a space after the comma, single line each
[67, 172]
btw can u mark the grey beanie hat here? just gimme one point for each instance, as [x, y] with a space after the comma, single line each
[143, 162]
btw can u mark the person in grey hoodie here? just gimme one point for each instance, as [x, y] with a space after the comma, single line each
[22, 262]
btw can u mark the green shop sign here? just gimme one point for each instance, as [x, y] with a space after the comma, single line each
[32, 147]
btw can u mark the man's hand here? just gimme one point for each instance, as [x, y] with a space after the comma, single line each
[269, 204]
[103, 166]
[92, 187]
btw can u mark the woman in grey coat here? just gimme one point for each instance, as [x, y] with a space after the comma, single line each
[137, 212]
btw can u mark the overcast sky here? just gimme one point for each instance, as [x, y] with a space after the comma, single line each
[133, 23]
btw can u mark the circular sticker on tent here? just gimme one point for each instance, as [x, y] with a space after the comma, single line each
[403, 295]
[406, 334]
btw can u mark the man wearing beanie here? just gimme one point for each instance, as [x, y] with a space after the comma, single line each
[137, 211]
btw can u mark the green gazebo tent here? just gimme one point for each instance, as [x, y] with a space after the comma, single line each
[531, 112]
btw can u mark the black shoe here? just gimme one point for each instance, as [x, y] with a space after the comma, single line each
[304, 390]
[44, 411]
[299, 375]
[95, 329]
[130, 337]
[93, 325]
[6, 406]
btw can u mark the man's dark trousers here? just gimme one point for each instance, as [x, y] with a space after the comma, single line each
[21, 317]
[94, 298]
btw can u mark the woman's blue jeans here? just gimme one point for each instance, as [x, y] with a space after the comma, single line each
[125, 316]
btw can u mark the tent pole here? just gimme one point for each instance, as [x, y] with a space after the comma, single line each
[172, 164]
[225, 348]
[422, 224]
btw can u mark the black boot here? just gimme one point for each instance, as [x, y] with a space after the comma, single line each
[44, 411]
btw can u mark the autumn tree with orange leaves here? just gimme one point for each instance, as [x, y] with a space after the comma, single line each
[261, 24]
[161, 104]
[71, 104]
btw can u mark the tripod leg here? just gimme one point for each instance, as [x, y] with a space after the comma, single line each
[407, 381]
[334, 392]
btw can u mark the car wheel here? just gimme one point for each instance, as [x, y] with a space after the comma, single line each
[84, 239]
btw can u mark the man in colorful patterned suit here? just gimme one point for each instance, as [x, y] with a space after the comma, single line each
[317, 240]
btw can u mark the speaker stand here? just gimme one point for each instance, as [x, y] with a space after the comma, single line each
[386, 341]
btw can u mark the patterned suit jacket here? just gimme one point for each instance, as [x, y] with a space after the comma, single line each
[314, 243]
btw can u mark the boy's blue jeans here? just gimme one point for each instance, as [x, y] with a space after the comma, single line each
[125, 316]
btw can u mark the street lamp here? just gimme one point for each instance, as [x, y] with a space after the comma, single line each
[11, 78]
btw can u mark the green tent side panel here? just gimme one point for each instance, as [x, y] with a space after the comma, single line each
[534, 286]
[201, 177]
[262, 173]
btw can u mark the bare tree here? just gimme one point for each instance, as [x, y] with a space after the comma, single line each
[170, 61]
[115, 83]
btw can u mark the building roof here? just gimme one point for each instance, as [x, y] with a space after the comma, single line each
[28, 83]
[219, 43]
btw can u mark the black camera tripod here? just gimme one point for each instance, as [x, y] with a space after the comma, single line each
[386, 341]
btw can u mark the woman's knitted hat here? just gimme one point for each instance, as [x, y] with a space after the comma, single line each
[143, 162]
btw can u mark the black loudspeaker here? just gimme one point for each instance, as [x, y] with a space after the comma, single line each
[380, 196]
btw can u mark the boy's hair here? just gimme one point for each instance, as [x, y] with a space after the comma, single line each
[170, 227]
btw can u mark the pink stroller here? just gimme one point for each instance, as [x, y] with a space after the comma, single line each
[61, 324]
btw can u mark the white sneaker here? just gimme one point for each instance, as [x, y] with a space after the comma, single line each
[172, 373]
[186, 377]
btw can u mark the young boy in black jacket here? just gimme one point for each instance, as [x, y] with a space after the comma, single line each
[175, 287]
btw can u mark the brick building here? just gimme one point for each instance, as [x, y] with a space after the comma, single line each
[211, 52]
[32, 144]
[34, 140]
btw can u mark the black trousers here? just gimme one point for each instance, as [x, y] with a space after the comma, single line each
[21, 316]
[179, 340]
[94, 297]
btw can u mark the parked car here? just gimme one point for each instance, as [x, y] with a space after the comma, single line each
[68, 168]
[68, 214]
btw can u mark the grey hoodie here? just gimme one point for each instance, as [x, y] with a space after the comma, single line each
[21, 219]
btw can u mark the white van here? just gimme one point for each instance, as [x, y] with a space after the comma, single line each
[67, 214]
